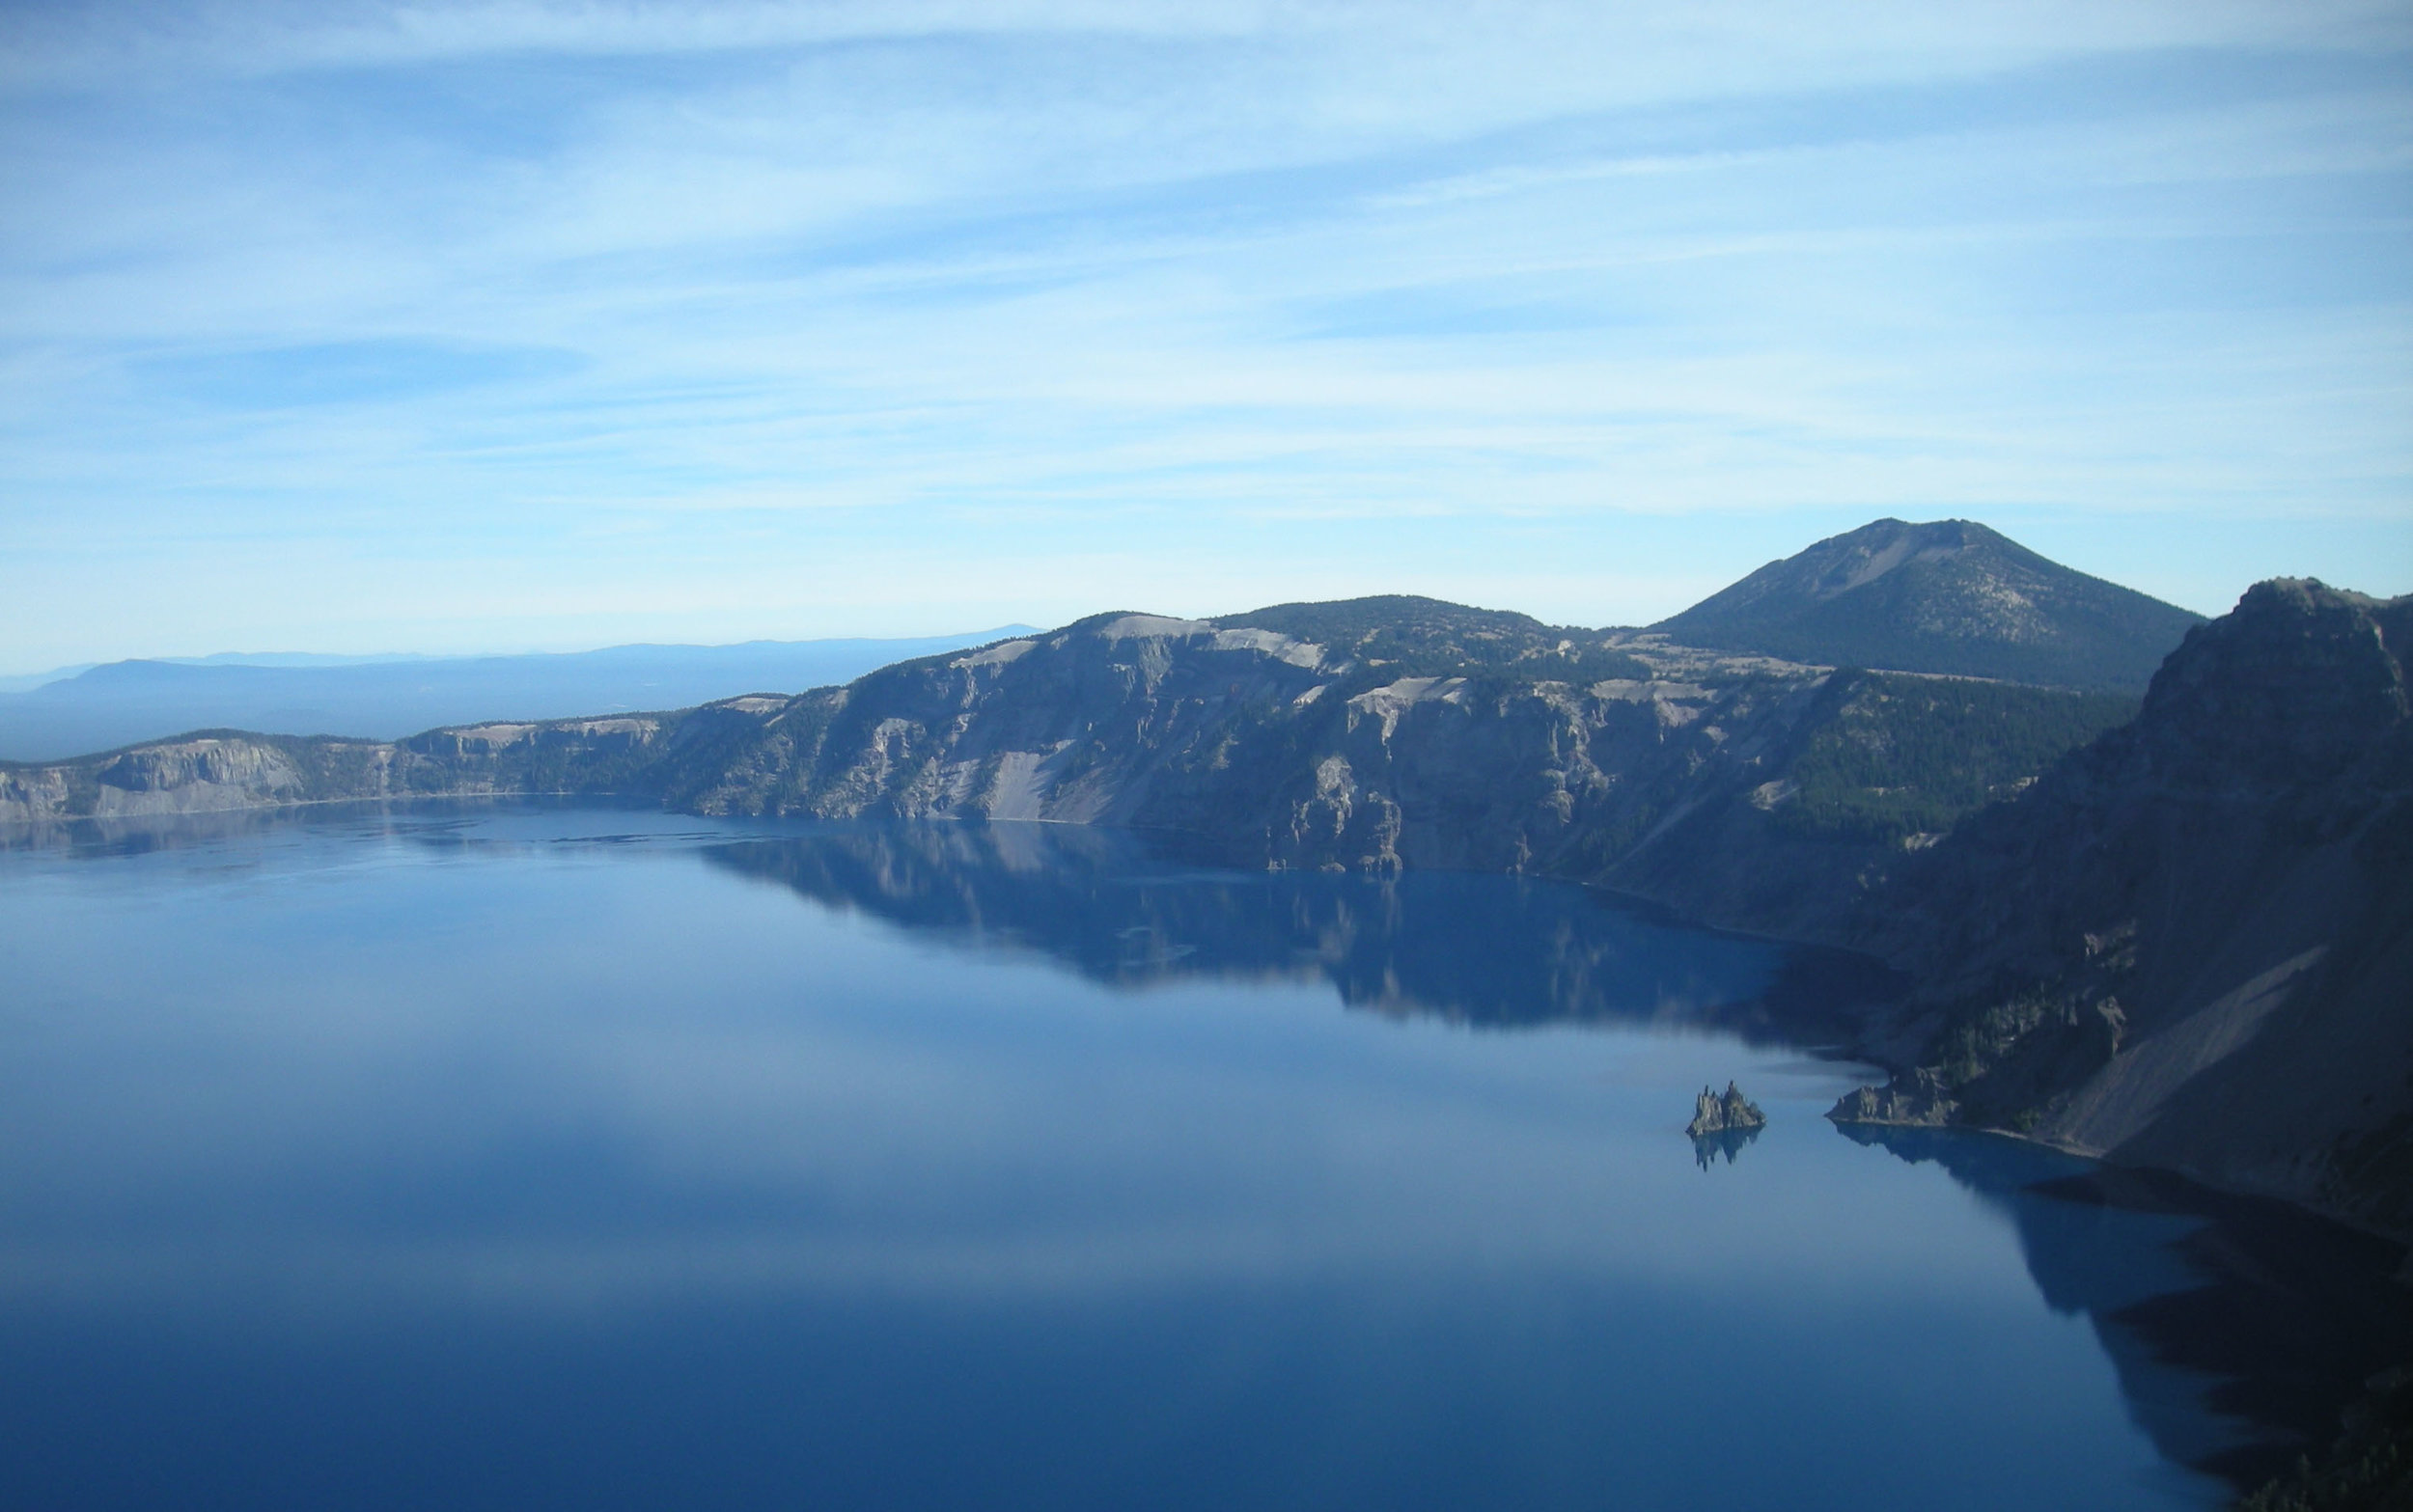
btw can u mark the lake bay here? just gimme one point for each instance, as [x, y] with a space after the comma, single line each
[544, 1156]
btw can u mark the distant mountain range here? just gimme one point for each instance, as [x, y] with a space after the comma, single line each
[2177, 928]
[385, 698]
[1951, 597]
[27, 683]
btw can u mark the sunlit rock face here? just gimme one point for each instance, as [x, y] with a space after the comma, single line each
[1730, 1113]
[1365, 737]
[1473, 742]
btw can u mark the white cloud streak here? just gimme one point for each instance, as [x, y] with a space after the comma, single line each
[525, 294]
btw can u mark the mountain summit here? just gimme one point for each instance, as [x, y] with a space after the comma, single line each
[1951, 597]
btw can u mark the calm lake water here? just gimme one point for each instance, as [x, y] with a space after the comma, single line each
[527, 1156]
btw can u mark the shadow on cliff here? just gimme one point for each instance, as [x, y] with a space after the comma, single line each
[2240, 1326]
[1476, 949]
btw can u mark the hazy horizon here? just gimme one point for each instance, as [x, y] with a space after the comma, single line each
[301, 659]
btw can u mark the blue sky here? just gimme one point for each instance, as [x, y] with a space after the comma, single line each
[522, 326]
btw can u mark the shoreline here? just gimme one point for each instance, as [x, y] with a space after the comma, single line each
[1858, 1050]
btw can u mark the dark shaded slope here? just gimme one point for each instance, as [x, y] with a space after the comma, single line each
[2190, 945]
[1950, 597]
[2284, 1311]
[1792, 839]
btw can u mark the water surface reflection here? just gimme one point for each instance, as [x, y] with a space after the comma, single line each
[2215, 1309]
[1708, 1149]
[526, 1155]
[1468, 948]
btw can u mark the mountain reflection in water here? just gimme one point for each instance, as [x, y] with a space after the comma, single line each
[1467, 949]
[2210, 1307]
[2244, 1308]
[427, 1073]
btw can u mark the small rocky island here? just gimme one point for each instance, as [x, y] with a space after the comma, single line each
[1715, 1114]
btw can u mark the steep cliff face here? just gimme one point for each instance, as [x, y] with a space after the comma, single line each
[1278, 749]
[1746, 791]
[1476, 748]
[2191, 944]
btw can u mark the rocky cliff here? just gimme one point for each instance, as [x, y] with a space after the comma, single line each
[1746, 791]
[1730, 1114]
[2190, 945]
[219, 771]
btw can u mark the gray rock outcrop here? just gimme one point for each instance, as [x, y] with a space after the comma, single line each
[1731, 1113]
[1473, 741]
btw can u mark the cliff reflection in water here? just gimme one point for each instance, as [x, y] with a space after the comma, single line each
[2210, 1305]
[1456, 946]
[2214, 1310]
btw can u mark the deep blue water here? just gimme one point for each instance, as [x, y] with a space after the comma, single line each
[529, 1157]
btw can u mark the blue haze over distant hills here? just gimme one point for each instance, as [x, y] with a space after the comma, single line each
[385, 698]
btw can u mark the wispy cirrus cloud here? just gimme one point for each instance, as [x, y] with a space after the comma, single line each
[1278, 301]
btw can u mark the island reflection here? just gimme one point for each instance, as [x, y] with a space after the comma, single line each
[2214, 1310]
[1707, 1148]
